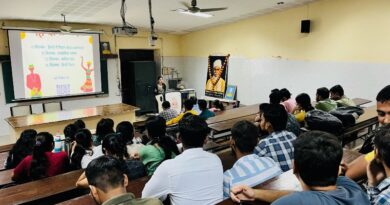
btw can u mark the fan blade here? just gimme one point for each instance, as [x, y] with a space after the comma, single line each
[185, 4]
[212, 9]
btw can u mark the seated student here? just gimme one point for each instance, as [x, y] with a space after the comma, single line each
[324, 103]
[82, 150]
[337, 94]
[249, 169]
[317, 157]
[80, 124]
[69, 132]
[188, 105]
[193, 177]
[205, 113]
[195, 102]
[303, 106]
[357, 169]
[108, 183]
[275, 97]
[292, 123]
[113, 146]
[168, 113]
[43, 162]
[278, 143]
[217, 106]
[104, 127]
[22, 148]
[288, 102]
[126, 130]
[378, 170]
[160, 148]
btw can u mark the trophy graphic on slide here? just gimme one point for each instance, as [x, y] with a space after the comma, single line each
[34, 82]
[87, 86]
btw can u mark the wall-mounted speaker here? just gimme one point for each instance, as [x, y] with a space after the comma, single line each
[305, 26]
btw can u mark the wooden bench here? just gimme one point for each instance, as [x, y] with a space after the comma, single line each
[5, 177]
[39, 189]
[234, 113]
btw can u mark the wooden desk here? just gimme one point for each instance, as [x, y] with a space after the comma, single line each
[6, 148]
[367, 120]
[360, 101]
[5, 177]
[228, 124]
[56, 121]
[39, 189]
[234, 113]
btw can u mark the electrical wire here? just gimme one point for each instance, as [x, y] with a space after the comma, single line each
[123, 14]
[151, 17]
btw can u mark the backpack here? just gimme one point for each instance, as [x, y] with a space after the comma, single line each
[323, 121]
[347, 115]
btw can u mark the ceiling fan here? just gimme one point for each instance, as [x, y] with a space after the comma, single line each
[196, 11]
[65, 28]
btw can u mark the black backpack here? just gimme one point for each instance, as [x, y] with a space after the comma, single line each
[347, 115]
[323, 121]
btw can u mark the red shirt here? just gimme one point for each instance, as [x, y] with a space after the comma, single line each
[57, 164]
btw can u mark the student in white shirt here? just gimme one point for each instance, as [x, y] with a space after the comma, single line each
[82, 150]
[193, 177]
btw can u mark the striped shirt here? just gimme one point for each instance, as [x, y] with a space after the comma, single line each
[380, 195]
[249, 170]
[279, 147]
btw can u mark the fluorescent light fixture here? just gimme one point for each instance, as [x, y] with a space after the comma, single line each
[198, 14]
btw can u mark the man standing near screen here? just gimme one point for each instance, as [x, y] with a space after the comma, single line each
[87, 86]
[34, 82]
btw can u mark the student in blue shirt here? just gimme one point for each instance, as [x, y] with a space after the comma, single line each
[205, 113]
[317, 157]
[249, 168]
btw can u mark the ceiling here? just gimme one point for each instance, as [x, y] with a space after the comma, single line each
[107, 12]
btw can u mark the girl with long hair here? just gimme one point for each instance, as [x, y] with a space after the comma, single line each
[82, 150]
[22, 148]
[161, 146]
[43, 162]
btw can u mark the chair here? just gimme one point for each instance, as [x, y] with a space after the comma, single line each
[52, 106]
[21, 110]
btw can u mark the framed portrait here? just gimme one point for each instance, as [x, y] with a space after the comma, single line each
[217, 78]
[105, 48]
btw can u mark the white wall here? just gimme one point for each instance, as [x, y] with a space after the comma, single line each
[255, 78]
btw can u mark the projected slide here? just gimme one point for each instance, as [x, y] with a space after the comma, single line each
[55, 64]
